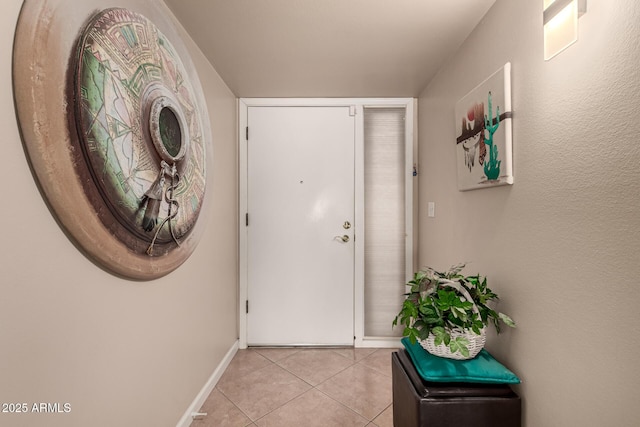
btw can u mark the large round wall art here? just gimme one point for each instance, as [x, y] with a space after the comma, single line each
[116, 131]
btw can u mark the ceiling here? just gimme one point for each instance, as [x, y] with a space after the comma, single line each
[328, 48]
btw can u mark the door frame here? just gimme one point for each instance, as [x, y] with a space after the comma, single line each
[359, 104]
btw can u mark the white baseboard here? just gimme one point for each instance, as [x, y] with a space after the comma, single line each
[375, 342]
[197, 403]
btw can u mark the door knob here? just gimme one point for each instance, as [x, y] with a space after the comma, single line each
[343, 238]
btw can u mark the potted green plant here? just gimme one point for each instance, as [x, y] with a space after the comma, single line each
[448, 312]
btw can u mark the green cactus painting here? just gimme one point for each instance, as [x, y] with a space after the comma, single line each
[492, 167]
[484, 150]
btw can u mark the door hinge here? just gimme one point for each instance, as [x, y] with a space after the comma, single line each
[246, 220]
[247, 306]
[247, 133]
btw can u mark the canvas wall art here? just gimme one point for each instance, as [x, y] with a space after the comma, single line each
[483, 134]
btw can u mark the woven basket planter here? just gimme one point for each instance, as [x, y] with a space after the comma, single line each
[476, 343]
[447, 307]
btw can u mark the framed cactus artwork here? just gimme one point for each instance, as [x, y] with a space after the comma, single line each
[483, 134]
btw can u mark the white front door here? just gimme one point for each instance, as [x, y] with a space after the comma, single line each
[300, 203]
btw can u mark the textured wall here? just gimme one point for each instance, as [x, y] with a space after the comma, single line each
[122, 353]
[562, 245]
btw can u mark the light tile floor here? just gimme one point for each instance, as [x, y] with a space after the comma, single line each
[308, 387]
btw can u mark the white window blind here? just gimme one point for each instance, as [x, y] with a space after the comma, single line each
[384, 213]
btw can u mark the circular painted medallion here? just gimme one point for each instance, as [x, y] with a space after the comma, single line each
[140, 132]
[120, 148]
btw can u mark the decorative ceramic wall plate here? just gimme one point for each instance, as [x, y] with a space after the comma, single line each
[123, 164]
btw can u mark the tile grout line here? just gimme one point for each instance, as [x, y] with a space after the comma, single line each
[315, 387]
[252, 421]
[386, 407]
[236, 406]
[305, 381]
[353, 363]
[347, 407]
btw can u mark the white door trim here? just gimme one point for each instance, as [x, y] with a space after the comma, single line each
[359, 104]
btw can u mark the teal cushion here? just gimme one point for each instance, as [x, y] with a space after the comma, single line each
[481, 369]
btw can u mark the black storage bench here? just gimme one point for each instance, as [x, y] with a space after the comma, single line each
[418, 403]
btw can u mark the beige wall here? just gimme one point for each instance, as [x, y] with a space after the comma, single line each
[122, 353]
[562, 245]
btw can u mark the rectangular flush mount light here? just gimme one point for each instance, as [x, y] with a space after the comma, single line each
[560, 20]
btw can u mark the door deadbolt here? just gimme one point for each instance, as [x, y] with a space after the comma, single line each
[346, 225]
